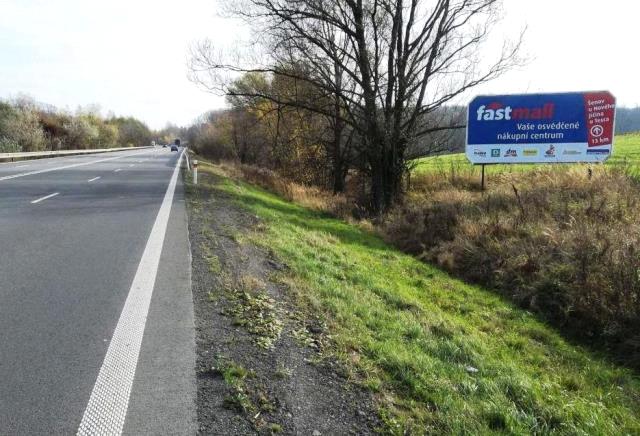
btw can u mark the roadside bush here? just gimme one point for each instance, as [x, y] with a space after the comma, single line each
[8, 146]
[131, 132]
[53, 124]
[211, 141]
[552, 240]
[20, 130]
[26, 125]
[81, 133]
[108, 135]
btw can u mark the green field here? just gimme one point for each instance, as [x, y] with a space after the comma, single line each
[441, 356]
[626, 154]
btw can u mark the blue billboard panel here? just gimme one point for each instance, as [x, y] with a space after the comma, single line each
[534, 128]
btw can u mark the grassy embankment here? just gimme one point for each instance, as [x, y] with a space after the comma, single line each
[442, 356]
[549, 237]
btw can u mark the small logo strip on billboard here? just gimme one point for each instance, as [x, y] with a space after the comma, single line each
[480, 153]
[530, 152]
[511, 153]
[495, 152]
[550, 152]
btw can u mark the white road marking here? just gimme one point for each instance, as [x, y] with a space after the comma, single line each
[44, 198]
[21, 166]
[93, 180]
[105, 414]
[31, 173]
[117, 170]
[131, 165]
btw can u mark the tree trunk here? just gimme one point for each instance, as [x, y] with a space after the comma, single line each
[386, 178]
[377, 189]
[338, 163]
[339, 175]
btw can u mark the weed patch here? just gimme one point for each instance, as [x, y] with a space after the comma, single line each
[254, 310]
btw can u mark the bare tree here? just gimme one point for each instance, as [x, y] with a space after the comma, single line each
[386, 65]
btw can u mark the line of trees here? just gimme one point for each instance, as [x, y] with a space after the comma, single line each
[369, 82]
[29, 126]
[627, 120]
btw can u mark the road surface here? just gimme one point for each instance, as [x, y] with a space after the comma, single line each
[96, 316]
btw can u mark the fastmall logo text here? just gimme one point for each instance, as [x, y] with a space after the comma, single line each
[497, 111]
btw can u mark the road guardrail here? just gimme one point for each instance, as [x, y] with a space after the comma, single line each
[11, 157]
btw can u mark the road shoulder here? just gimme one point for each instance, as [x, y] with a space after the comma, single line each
[163, 394]
[259, 365]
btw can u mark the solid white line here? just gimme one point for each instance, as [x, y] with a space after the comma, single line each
[44, 198]
[31, 173]
[93, 180]
[118, 170]
[107, 408]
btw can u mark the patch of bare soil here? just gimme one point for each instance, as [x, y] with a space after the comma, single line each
[259, 362]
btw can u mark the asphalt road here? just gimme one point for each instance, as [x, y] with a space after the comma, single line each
[73, 234]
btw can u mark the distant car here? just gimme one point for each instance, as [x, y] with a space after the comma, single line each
[174, 147]
[164, 145]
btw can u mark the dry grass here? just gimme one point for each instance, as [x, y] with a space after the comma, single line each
[307, 196]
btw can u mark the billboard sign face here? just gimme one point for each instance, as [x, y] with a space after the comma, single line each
[536, 128]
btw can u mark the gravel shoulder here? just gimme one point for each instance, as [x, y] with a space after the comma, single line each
[260, 366]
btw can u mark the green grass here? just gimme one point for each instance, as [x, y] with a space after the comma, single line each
[626, 152]
[443, 357]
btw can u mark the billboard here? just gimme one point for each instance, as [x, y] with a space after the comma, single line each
[535, 128]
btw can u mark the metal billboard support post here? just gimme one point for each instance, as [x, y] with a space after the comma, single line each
[482, 179]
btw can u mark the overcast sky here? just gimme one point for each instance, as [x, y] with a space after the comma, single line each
[129, 56]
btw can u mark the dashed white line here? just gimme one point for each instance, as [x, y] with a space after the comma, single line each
[44, 198]
[93, 180]
[131, 165]
[21, 166]
[117, 170]
[107, 408]
[31, 173]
